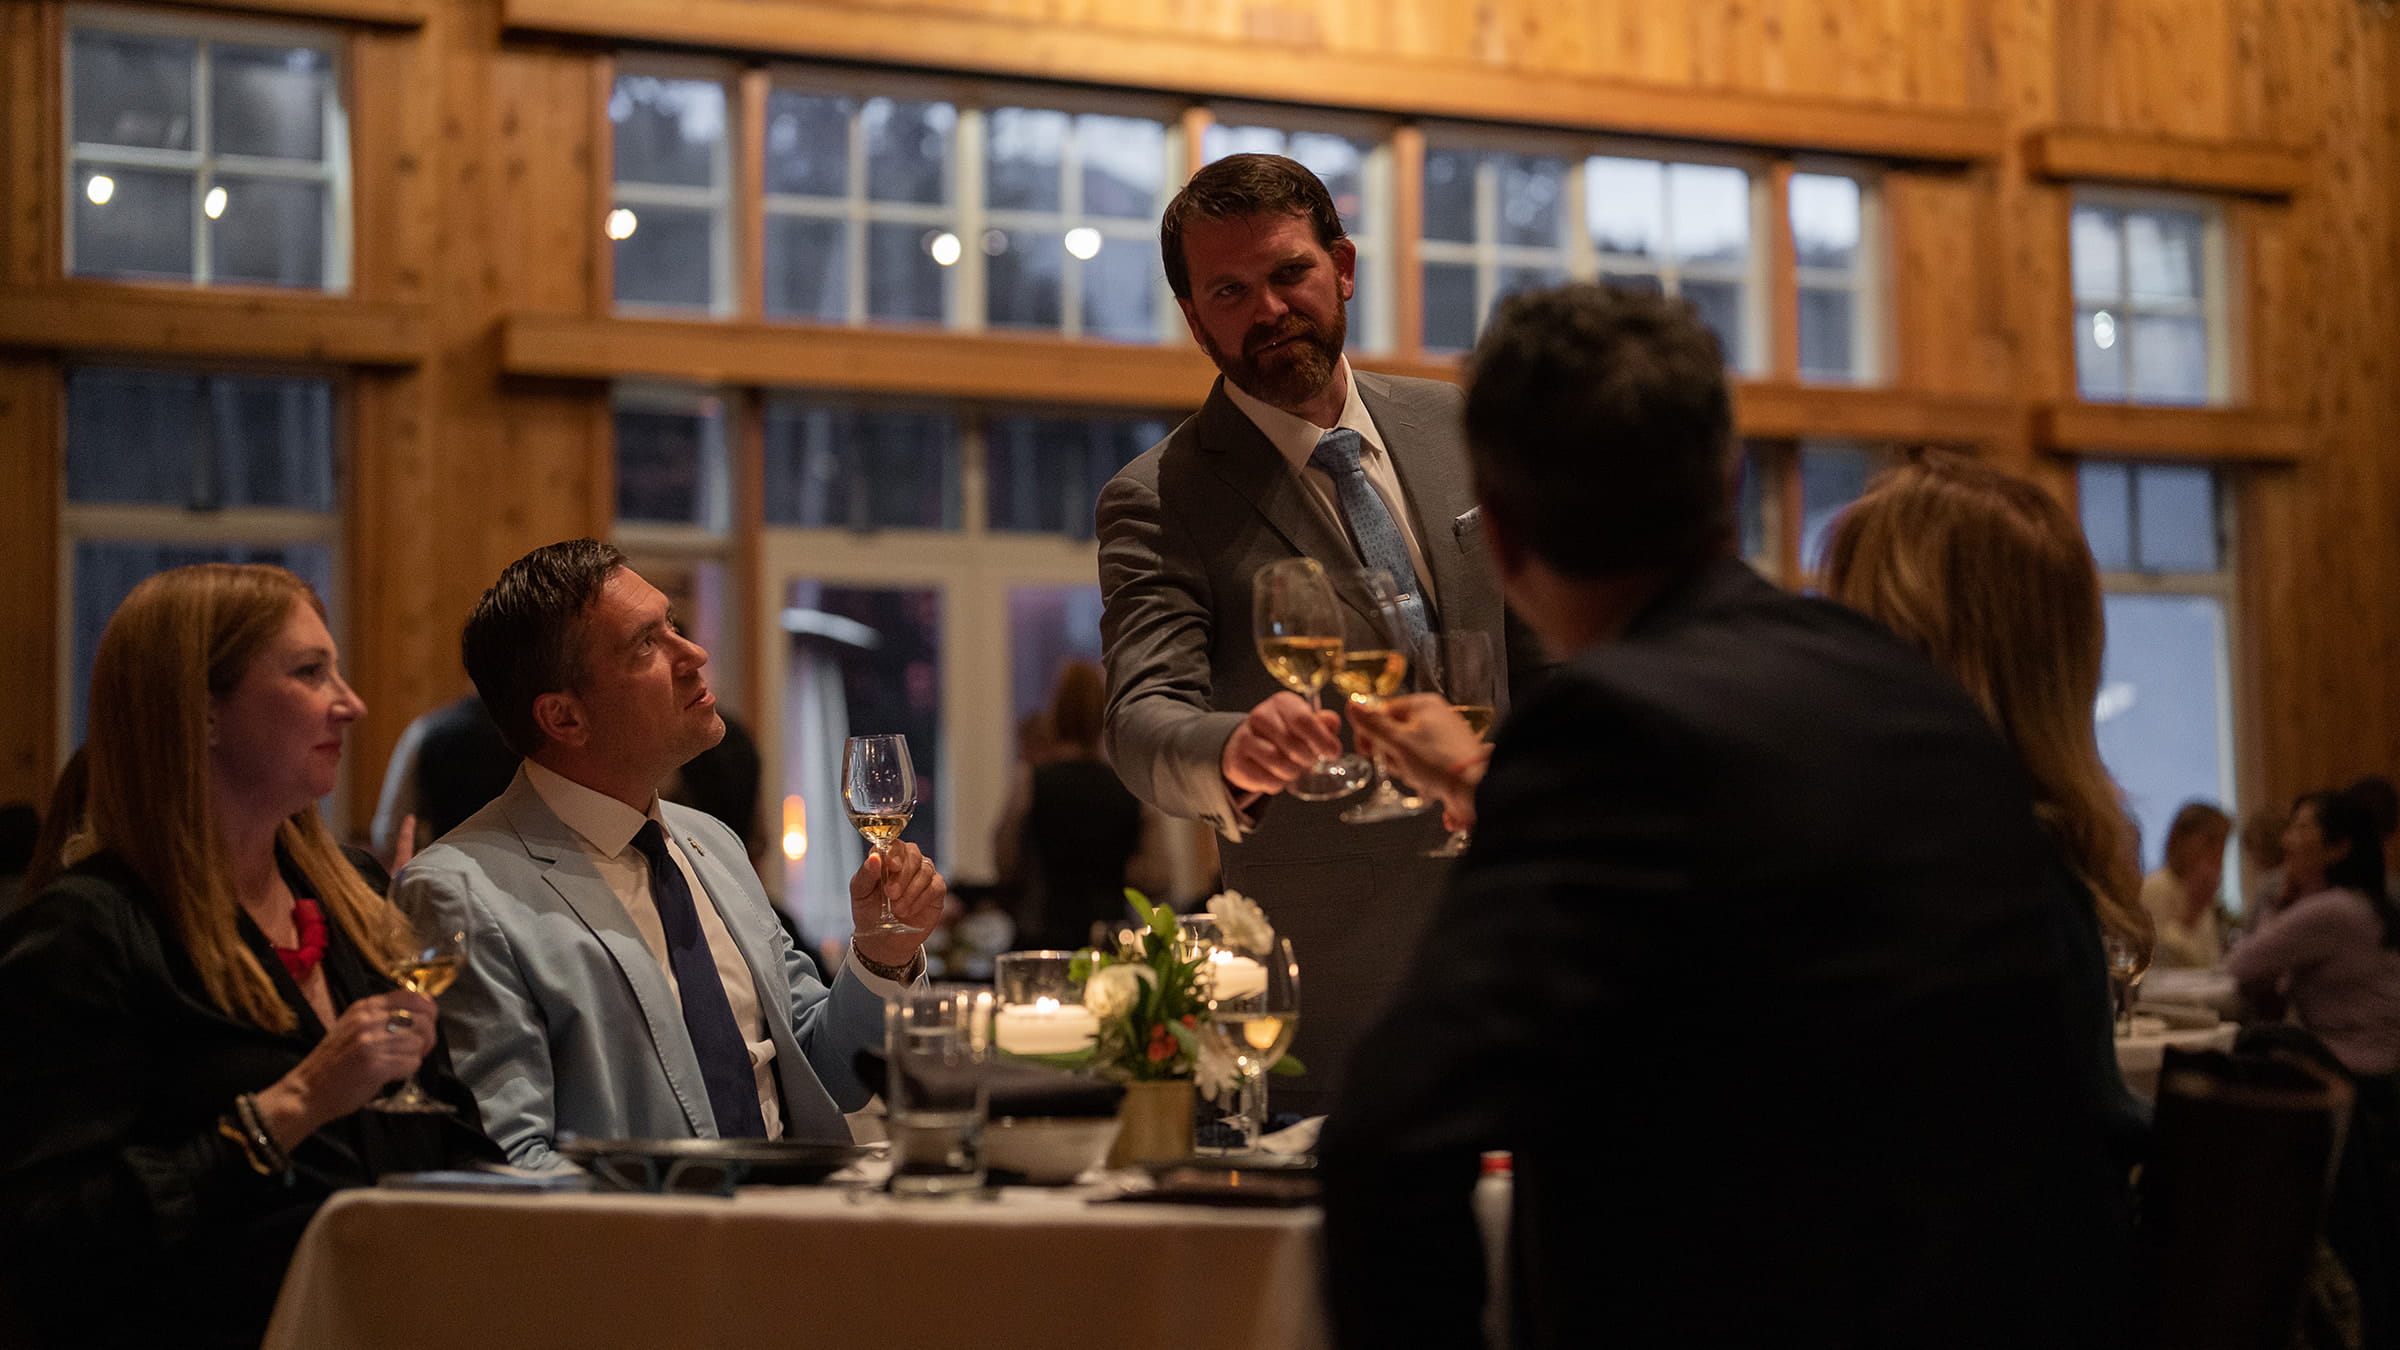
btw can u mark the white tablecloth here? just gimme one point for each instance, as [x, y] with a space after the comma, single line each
[2140, 1056]
[800, 1267]
[2199, 988]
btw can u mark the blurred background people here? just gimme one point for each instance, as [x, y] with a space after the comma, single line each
[2181, 896]
[2262, 862]
[197, 1010]
[1070, 832]
[443, 769]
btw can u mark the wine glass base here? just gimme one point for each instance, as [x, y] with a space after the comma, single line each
[1328, 782]
[1453, 847]
[1385, 804]
[399, 1104]
[887, 926]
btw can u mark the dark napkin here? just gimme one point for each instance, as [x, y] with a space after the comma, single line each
[1017, 1089]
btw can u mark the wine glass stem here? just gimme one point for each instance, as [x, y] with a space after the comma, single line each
[883, 884]
[1254, 1109]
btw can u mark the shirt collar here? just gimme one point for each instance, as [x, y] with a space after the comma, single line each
[1295, 437]
[605, 823]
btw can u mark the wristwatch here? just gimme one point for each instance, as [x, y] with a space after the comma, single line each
[905, 974]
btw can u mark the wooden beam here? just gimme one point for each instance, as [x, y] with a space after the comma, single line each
[2120, 429]
[2248, 168]
[1209, 67]
[381, 13]
[85, 316]
[1771, 408]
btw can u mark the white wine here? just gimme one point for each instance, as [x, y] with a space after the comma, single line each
[1300, 664]
[1371, 675]
[428, 977]
[880, 827]
[1478, 715]
[1260, 1039]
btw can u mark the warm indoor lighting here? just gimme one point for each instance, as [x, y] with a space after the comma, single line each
[100, 189]
[795, 828]
[1084, 242]
[621, 224]
[214, 203]
[945, 248]
[2104, 330]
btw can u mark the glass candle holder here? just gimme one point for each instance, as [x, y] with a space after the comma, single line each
[1040, 1005]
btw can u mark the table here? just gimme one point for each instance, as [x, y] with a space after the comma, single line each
[816, 1266]
[2139, 1057]
[2213, 989]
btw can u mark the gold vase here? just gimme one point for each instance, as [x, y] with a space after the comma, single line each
[1155, 1123]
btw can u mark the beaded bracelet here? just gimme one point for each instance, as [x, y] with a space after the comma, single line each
[266, 1157]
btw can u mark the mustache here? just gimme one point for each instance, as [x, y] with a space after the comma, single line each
[1292, 326]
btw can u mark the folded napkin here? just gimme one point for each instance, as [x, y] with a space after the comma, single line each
[1017, 1089]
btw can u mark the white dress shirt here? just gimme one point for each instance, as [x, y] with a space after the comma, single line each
[1296, 439]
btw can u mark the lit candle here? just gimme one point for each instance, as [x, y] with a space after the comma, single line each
[1045, 1027]
[1237, 976]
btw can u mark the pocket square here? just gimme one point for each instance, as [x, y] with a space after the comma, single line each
[1465, 520]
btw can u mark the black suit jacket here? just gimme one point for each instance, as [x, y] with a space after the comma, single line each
[1791, 1013]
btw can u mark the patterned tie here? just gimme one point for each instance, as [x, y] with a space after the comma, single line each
[724, 1057]
[1380, 543]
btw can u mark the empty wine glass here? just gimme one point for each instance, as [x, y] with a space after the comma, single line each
[1297, 621]
[426, 966]
[1254, 1011]
[879, 786]
[1463, 670]
[1370, 674]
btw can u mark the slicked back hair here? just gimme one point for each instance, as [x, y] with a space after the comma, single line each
[1238, 187]
[525, 638]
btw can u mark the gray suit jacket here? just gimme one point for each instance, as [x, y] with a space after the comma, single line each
[1182, 530]
[563, 1022]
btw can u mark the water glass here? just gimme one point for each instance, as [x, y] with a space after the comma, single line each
[938, 1042]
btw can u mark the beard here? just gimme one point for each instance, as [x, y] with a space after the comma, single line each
[1293, 373]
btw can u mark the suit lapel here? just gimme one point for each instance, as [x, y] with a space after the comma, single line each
[1248, 463]
[1433, 477]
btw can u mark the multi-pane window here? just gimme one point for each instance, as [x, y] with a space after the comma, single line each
[1683, 229]
[2149, 300]
[1043, 475]
[674, 513]
[1354, 167]
[862, 211]
[1791, 494]
[169, 467]
[839, 466]
[673, 213]
[1833, 268]
[209, 153]
[1071, 228]
[1496, 222]
[2165, 712]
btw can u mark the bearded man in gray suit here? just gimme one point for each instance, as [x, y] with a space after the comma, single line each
[1293, 455]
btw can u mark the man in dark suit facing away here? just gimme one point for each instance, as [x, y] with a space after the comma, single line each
[1760, 964]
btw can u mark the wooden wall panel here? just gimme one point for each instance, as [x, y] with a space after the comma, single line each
[29, 492]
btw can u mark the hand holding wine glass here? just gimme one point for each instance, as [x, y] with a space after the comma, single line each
[879, 786]
[425, 967]
[1297, 621]
[1370, 674]
[1464, 668]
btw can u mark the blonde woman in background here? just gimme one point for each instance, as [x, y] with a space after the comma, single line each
[2181, 896]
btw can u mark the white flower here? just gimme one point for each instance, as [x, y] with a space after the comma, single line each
[1218, 1073]
[1113, 990]
[1243, 924]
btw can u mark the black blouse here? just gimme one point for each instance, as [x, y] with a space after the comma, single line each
[125, 1216]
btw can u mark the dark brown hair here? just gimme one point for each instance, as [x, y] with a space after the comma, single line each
[1238, 187]
[525, 638]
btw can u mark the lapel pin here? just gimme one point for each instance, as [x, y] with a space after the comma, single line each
[694, 845]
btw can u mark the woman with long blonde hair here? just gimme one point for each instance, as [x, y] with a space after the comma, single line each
[197, 1008]
[1990, 576]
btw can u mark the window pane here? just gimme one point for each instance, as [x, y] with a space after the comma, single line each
[270, 232]
[1048, 626]
[1450, 195]
[1831, 477]
[1625, 206]
[2170, 359]
[1827, 320]
[1532, 200]
[1022, 278]
[172, 438]
[2175, 507]
[2161, 715]
[1449, 307]
[106, 571]
[808, 269]
[1120, 291]
[808, 144]
[141, 226]
[2098, 256]
[2164, 250]
[1640, 283]
[1825, 220]
[1045, 473]
[269, 101]
[1341, 164]
[908, 149]
[835, 467]
[667, 131]
[671, 463]
[1024, 149]
[1710, 207]
[2105, 496]
[1124, 165]
[905, 282]
[669, 259]
[2099, 355]
[1750, 511]
[133, 90]
[1515, 279]
[1720, 306]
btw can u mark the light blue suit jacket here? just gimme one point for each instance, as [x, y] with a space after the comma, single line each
[563, 1022]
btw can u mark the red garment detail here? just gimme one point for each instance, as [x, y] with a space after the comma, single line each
[309, 923]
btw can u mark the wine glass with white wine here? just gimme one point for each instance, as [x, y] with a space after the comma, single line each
[1298, 623]
[879, 786]
[1369, 674]
[427, 965]
[1463, 668]
[1254, 1011]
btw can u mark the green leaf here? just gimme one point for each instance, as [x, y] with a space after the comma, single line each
[1074, 1059]
[1162, 922]
[1185, 1036]
[1080, 969]
[1139, 902]
[1288, 1067]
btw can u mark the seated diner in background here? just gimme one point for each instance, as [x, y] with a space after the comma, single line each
[196, 1008]
[2181, 896]
[2331, 950]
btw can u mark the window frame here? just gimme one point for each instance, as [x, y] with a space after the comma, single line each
[2218, 287]
[1868, 279]
[1379, 248]
[721, 199]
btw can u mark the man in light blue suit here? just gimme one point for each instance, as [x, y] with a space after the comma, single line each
[625, 976]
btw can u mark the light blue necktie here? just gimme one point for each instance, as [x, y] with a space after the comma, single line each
[1380, 543]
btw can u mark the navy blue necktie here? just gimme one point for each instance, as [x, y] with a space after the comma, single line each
[716, 1039]
[1380, 543]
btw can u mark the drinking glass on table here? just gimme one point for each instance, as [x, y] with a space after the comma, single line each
[1372, 673]
[2128, 961]
[1463, 670]
[1297, 621]
[426, 966]
[1254, 1011]
[937, 1043]
[879, 786]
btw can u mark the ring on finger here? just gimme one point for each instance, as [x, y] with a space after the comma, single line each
[401, 1019]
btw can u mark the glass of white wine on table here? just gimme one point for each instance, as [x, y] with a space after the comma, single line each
[1372, 673]
[427, 965]
[1254, 1011]
[1298, 624]
[879, 786]
[1463, 669]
